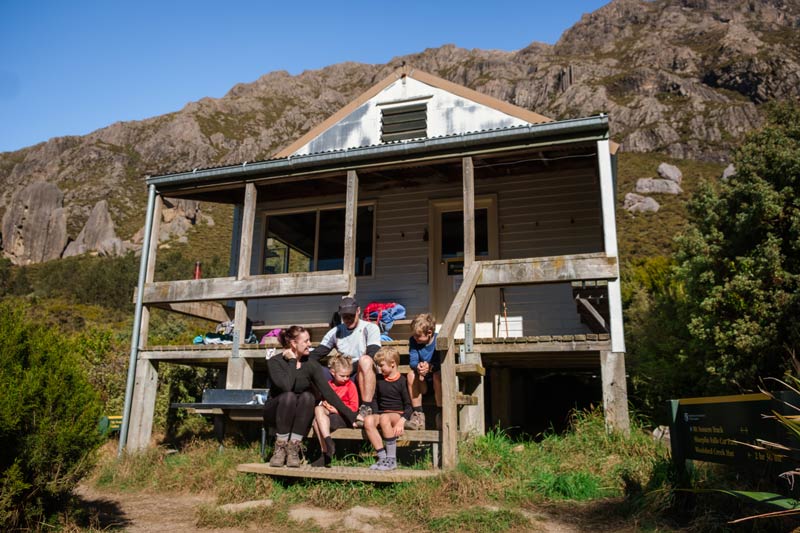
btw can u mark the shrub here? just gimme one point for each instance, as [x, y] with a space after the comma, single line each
[48, 421]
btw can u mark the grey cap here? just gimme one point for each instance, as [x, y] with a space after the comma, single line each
[348, 306]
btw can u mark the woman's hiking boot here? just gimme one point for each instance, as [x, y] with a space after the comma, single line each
[417, 421]
[278, 458]
[293, 453]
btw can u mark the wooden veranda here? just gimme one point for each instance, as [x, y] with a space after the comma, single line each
[464, 359]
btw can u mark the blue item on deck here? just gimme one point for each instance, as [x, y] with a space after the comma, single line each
[385, 317]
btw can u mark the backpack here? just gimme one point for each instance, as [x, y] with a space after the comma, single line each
[384, 314]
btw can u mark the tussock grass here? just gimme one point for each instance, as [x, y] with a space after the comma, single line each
[479, 520]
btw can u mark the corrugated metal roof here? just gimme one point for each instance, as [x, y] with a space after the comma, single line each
[242, 171]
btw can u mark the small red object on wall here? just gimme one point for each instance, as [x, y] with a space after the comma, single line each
[197, 270]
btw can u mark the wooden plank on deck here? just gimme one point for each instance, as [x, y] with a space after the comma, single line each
[343, 473]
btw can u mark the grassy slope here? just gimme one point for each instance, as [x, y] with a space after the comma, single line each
[505, 482]
[649, 234]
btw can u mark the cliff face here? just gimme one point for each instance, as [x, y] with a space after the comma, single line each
[682, 77]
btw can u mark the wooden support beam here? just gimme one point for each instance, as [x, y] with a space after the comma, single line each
[143, 405]
[470, 369]
[274, 285]
[598, 323]
[449, 409]
[471, 415]
[472, 418]
[350, 225]
[467, 399]
[240, 370]
[213, 311]
[144, 326]
[469, 245]
[246, 235]
[502, 272]
[610, 243]
[459, 306]
[615, 391]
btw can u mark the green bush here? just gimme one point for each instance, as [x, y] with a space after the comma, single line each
[48, 421]
[106, 281]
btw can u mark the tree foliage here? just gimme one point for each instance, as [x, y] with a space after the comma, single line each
[48, 420]
[739, 261]
[722, 312]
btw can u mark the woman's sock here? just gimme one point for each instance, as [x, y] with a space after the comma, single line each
[330, 446]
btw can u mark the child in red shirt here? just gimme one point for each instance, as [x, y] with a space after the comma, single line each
[326, 417]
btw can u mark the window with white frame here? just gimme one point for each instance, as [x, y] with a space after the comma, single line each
[313, 241]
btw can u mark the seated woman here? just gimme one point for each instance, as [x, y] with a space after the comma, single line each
[290, 408]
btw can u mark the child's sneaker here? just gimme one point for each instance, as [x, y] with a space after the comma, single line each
[417, 421]
[378, 464]
[363, 412]
[390, 463]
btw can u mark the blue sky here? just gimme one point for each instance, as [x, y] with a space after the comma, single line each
[71, 67]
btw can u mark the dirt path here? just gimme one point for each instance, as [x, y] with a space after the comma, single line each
[156, 513]
[146, 513]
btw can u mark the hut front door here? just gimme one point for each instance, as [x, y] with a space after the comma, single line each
[447, 257]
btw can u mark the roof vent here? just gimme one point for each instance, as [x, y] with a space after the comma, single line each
[404, 122]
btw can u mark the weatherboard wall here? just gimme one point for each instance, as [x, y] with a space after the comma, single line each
[555, 213]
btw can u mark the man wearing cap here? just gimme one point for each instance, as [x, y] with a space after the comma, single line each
[360, 340]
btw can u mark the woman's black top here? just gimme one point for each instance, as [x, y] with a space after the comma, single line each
[286, 377]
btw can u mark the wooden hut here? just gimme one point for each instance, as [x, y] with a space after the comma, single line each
[497, 220]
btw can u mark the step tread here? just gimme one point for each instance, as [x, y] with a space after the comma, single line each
[347, 473]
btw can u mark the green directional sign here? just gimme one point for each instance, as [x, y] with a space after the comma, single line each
[720, 428]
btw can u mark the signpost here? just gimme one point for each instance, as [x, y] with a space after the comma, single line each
[715, 428]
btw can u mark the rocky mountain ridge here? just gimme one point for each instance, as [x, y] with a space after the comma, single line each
[686, 78]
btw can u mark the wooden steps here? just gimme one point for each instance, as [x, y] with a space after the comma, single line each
[343, 473]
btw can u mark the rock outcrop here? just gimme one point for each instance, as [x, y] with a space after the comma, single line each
[177, 216]
[97, 235]
[636, 203]
[729, 172]
[657, 186]
[682, 77]
[670, 172]
[35, 226]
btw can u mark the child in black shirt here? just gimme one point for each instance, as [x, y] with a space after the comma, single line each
[394, 408]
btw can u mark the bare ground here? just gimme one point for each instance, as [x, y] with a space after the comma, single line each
[156, 513]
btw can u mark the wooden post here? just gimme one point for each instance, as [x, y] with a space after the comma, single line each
[143, 405]
[615, 393]
[471, 416]
[350, 228]
[144, 328]
[614, 388]
[469, 246]
[143, 401]
[449, 417]
[240, 369]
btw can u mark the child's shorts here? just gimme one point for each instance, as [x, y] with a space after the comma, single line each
[337, 422]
